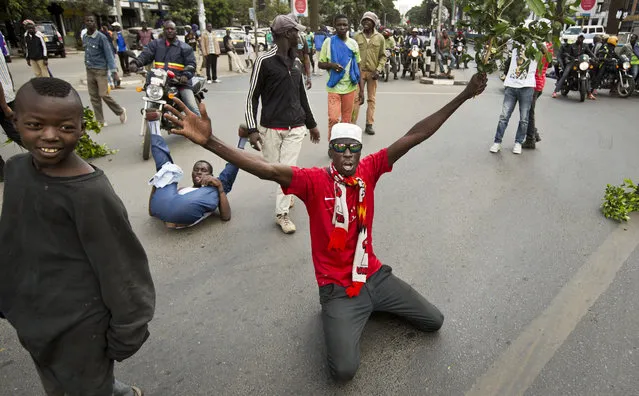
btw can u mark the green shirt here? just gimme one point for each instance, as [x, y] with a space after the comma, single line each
[372, 51]
[345, 85]
[390, 43]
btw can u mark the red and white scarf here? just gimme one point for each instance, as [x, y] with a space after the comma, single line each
[339, 235]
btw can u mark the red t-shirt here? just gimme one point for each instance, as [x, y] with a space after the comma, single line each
[316, 188]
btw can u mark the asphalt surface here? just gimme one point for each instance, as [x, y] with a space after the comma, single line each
[492, 240]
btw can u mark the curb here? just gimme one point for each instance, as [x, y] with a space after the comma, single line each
[124, 82]
[438, 81]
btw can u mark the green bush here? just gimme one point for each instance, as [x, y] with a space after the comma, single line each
[621, 200]
[86, 147]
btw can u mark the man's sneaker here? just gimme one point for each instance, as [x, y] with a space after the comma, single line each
[209, 81]
[123, 116]
[285, 223]
[495, 147]
[537, 137]
[517, 148]
[529, 143]
[369, 129]
[554, 94]
[104, 124]
[217, 80]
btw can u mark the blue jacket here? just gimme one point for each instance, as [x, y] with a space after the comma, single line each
[175, 56]
[98, 52]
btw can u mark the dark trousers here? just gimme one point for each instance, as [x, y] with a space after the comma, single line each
[560, 82]
[211, 67]
[124, 62]
[344, 318]
[532, 129]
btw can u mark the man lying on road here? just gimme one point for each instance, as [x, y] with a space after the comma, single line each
[187, 206]
[339, 199]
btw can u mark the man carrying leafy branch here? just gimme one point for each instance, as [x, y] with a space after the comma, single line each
[340, 201]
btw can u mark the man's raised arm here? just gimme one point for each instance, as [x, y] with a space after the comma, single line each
[429, 125]
[199, 131]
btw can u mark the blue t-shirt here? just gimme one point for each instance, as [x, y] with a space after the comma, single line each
[121, 43]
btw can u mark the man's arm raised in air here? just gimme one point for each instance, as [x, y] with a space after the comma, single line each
[199, 131]
[429, 125]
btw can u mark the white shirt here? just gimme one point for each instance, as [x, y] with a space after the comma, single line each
[518, 77]
[7, 84]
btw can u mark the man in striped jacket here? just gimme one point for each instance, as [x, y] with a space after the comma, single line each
[36, 50]
[286, 114]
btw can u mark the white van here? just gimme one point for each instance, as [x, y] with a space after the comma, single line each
[589, 33]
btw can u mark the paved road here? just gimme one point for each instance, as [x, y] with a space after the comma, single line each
[539, 290]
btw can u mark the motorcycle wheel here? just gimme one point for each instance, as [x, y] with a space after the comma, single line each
[582, 90]
[625, 87]
[386, 73]
[146, 144]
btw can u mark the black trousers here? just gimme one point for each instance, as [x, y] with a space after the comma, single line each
[344, 318]
[124, 62]
[530, 133]
[211, 67]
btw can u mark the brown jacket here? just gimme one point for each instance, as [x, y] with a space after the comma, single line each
[204, 40]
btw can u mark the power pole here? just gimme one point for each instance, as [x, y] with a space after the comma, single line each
[201, 15]
[118, 11]
[313, 8]
[439, 31]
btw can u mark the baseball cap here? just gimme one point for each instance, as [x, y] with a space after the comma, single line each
[116, 24]
[284, 23]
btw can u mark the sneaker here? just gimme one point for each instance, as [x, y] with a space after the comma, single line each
[209, 81]
[285, 223]
[369, 129]
[517, 148]
[123, 116]
[292, 203]
[554, 94]
[537, 137]
[495, 147]
[137, 391]
[104, 125]
[217, 81]
[529, 143]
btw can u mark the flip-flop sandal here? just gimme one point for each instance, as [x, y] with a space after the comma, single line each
[137, 391]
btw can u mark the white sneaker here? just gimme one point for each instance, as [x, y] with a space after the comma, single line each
[217, 81]
[123, 116]
[285, 223]
[209, 81]
[517, 148]
[495, 147]
[104, 124]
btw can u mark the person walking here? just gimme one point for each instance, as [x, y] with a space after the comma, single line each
[99, 60]
[340, 56]
[286, 114]
[318, 41]
[211, 50]
[371, 49]
[532, 135]
[230, 51]
[519, 87]
[144, 36]
[122, 49]
[36, 50]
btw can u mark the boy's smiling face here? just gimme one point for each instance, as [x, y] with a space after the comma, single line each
[49, 127]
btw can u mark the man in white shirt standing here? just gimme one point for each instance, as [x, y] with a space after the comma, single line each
[519, 87]
[7, 97]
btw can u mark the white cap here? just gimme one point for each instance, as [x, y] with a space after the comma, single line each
[343, 130]
[116, 24]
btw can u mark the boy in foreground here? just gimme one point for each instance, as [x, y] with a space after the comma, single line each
[339, 200]
[75, 280]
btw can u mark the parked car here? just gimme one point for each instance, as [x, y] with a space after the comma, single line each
[589, 33]
[237, 38]
[52, 38]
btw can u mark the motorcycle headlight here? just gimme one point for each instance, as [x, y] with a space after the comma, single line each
[154, 92]
[626, 65]
[414, 53]
[583, 66]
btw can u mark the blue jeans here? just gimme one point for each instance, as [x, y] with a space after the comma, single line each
[169, 206]
[188, 97]
[634, 70]
[511, 96]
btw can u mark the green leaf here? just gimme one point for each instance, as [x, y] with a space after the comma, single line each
[501, 27]
[537, 6]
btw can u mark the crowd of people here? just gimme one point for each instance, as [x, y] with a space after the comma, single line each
[99, 294]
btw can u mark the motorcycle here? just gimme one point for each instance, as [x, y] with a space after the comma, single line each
[160, 88]
[578, 78]
[459, 53]
[616, 77]
[397, 56]
[387, 66]
[414, 59]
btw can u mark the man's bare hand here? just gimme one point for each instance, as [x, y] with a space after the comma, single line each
[375, 75]
[361, 98]
[188, 124]
[309, 84]
[476, 85]
[8, 113]
[184, 80]
[210, 180]
[256, 141]
[315, 135]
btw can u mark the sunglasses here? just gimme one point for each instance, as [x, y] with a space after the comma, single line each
[341, 147]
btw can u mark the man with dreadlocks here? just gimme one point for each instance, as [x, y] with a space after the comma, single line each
[75, 280]
[339, 200]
